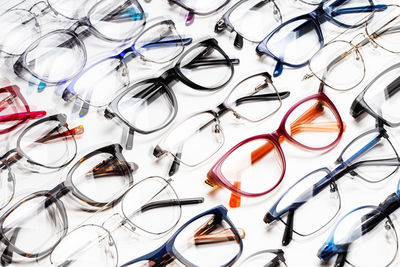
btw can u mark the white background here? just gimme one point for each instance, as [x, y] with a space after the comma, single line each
[190, 182]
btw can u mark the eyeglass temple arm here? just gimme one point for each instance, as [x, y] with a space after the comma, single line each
[6, 257]
[171, 202]
[210, 62]
[111, 167]
[22, 116]
[72, 132]
[203, 234]
[359, 9]
[263, 97]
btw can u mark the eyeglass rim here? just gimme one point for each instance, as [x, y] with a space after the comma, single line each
[227, 24]
[182, 5]
[359, 101]
[169, 244]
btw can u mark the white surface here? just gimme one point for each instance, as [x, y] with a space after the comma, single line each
[190, 182]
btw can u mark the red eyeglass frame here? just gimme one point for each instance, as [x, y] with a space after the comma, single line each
[215, 176]
[19, 117]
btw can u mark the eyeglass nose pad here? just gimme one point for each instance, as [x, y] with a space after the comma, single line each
[115, 221]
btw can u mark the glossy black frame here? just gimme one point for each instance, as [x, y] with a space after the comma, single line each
[164, 82]
[360, 106]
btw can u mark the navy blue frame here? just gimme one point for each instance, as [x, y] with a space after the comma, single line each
[168, 250]
[316, 17]
[377, 215]
[331, 177]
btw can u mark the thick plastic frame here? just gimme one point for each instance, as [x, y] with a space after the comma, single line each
[22, 65]
[167, 79]
[215, 176]
[53, 197]
[316, 18]
[360, 106]
[23, 117]
[122, 57]
[166, 252]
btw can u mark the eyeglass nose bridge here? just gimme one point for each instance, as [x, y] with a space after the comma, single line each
[116, 220]
[359, 40]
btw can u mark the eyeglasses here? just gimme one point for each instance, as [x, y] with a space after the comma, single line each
[208, 239]
[35, 225]
[310, 207]
[98, 84]
[61, 55]
[333, 63]
[201, 8]
[268, 257]
[22, 25]
[312, 123]
[379, 98]
[358, 234]
[14, 110]
[251, 20]
[47, 143]
[295, 41]
[150, 206]
[198, 137]
[150, 105]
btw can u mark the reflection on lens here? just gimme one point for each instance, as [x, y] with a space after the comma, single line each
[205, 61]
[152, 205]
[19, 28]
[313, 124]
[382, 95]
[120, 20]
[195, 139]
[101, 82]
[48, 144]
[363, 231]
[255, 167]
[194, 248]
[35, 226]
[58, 56]
[317, 202]
[339, 65]
[295, 43]
[147, 106]
[265, 258]
[384, 32]
[254, 19]
[160, 44]
[382, 148]
[254, 98]
[101, 178]
[72, 9]
[89, 245]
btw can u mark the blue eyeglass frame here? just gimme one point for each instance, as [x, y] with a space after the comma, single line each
[168, 250]
[316, 18]
[331, 177]
[380, 212]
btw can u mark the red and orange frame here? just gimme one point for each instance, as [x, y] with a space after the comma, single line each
[15, 100]
[215, 176]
